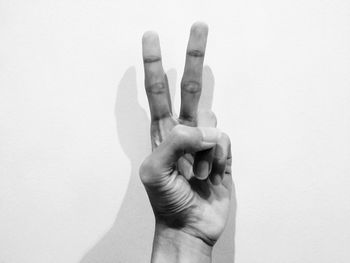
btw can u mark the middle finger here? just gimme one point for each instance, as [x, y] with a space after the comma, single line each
[191, 83]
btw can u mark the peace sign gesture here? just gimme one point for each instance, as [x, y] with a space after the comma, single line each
[188, 175]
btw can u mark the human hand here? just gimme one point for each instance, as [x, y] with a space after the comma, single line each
[188, 175]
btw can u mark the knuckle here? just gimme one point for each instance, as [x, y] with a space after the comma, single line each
[220, 155]
[188, 119]
[219, 161]
[156, 88]
[193, 87]
[147, 169]
[226, 139]
[195, 53]
[222, 151]
[151, 59]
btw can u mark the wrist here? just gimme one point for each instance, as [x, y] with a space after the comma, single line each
[176, 246]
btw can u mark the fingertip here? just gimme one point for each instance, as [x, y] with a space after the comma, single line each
[198, 36]
[199, 27]
[150, 44]
[149, 36]
[225, 138]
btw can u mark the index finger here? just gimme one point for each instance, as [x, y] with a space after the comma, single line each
[156, 83]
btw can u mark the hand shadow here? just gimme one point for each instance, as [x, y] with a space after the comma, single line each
[130, 238]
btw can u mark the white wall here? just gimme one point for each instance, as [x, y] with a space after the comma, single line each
[72, 101]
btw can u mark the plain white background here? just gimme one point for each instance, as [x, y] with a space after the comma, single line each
[282, 92]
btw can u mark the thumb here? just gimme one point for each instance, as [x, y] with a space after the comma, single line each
[181, 140]
[185, 139]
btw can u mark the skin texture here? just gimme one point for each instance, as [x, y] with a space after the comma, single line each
[188, 175]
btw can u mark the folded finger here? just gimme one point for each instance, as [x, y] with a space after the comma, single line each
[203, 163]
[221, 164]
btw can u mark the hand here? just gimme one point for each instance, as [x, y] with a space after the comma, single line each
[188, 175]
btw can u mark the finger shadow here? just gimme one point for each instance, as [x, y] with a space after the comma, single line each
[171, 75]
[207, 95]
[131, 235]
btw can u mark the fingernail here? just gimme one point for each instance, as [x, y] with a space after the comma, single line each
[202, 170]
